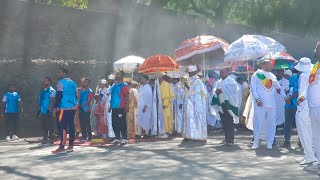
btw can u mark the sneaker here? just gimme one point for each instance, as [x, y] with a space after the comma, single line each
[269, 147]
[124, 141]
[8, 138]
[286, 145]
[69, 149]
[223, 142]
[15, 137]
[164, 136]
[43, 143]
[304, 162]
[59, 150]
[313, 168]
[115, 141]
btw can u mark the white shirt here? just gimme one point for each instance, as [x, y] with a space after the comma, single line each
[259, 91]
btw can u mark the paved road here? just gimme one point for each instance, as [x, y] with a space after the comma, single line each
[154, 160]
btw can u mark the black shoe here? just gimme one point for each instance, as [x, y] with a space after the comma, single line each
[286, 145]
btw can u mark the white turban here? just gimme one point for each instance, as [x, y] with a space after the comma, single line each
[288, 72]
[192, 69]
[111, 77]
[103, 81]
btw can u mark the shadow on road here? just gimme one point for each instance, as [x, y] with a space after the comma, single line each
[11, 170]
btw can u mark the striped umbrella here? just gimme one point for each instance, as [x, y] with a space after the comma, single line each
[205, 50]
[280, 60]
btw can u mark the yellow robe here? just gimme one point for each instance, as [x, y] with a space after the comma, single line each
[167, 95]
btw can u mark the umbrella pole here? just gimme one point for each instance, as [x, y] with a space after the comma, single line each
[157, 105]
[204, 65]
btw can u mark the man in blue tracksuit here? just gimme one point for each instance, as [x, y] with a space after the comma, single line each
[46, 102]
[66, 104]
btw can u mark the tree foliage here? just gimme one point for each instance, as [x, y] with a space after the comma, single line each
[299, 17]
[79, 4]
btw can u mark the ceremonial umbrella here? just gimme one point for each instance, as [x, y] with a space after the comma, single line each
[158, 63]
[208, 49]
[127, 64]
[280, 60]
[252, 47]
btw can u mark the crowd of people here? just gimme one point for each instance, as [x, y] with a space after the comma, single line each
[180, 104]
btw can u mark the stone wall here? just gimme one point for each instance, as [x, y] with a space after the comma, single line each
[36, 39]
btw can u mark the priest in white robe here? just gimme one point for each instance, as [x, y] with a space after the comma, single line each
[144, 107]
[264, 88]
[195, 121]
[312, 95]
[302, 116]
[179, 91]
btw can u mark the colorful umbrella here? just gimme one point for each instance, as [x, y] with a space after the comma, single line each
[280, 60]
[128, 64]
[252, 47]
[209, 49]
[158, 63]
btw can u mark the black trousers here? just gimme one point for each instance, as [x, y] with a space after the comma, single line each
[119, 123]
[84, 118]
[227, 126]
[47, 124]
[11, 123]
[290, 116]
[66, 122]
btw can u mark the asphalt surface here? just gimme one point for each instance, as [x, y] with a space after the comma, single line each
[172, 159]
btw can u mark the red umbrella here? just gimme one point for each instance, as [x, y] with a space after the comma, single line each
[158, 63]
[206, 50]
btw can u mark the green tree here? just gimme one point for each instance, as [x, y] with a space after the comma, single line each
[79, 4]
[299, 17]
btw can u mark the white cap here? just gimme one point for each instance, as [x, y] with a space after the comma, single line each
[288, 72]
[103, 81]
[111, 77]
[192, 69]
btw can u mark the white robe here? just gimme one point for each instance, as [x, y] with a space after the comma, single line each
[108, 115]
[303, 121]
[195, 121]
[145, 100]
[313, 97]
[280, 117]
[157, 111]
[179, 91]
[264, 117]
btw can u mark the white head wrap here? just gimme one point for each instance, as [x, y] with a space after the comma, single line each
[288, 72]
[111, 77]
[192, 69]
[103, 81]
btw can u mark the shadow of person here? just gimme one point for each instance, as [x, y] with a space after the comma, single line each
[192, 144]
[227, 148]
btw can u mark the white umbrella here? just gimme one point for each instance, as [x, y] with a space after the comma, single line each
[251, 47]
[128, 64]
